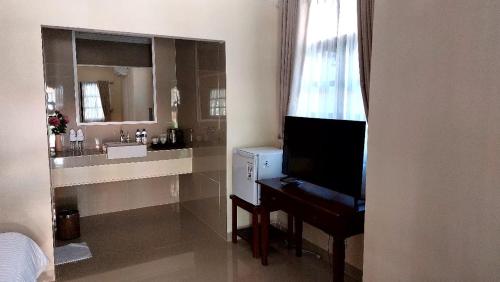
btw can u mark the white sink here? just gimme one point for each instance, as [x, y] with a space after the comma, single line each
[117, 150]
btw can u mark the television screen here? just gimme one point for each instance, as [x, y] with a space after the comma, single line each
[325, 152]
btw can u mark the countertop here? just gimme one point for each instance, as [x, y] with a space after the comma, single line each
[91, 157]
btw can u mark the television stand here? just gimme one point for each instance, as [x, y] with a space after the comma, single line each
[330, 211]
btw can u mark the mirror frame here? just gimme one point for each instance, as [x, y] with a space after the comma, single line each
[77, 98]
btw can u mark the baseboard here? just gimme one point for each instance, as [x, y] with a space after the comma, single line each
[350, 270]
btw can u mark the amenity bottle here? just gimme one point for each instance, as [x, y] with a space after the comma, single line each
[144, 137]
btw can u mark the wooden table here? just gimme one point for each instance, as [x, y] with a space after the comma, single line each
[252, 234]
[332, 212]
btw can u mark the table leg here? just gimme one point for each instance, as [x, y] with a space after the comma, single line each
[264, 238]
[338, 259]
[234, 222]
[298, 236]
[255, 233]
[290, 231]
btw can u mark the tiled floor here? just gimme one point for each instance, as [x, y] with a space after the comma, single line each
[167, 243]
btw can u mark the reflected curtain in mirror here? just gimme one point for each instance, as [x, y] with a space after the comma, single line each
[105, 102]
[91, 106]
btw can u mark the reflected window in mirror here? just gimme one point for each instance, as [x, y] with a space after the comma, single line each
[92, 103]
[217, 102]
[211, 88]
[54, 98]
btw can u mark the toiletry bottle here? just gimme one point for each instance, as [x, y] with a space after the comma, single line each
[80, 138]
[144, 137]
[72, 139]
[138, 138]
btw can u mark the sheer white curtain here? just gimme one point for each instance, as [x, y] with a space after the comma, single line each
[91, 102]
[327, 75]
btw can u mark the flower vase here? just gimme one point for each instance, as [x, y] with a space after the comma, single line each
[59, 144]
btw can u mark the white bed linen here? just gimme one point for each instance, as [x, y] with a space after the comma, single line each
[21, 259]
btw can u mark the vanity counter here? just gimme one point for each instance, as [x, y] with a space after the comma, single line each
[91, 157]
[92, 166]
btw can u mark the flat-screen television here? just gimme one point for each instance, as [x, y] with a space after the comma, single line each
[325, 152]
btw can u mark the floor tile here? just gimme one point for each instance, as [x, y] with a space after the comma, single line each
[168, 243]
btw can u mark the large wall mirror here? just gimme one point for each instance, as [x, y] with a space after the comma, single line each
[114, 78]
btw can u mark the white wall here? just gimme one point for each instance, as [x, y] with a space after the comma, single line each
[249, 27]
[433, 183]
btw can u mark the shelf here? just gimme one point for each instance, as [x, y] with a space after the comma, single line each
[275, 234]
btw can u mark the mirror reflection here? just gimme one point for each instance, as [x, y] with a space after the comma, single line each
[115, 93]
[210, 72]
[115, 78]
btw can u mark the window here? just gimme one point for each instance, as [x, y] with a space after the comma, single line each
[217, 102]
[329, 75]
[91, 102]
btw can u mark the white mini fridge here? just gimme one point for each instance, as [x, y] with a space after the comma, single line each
[250, 164]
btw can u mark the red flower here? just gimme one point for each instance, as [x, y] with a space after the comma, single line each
[54, 121]
[58, 121]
